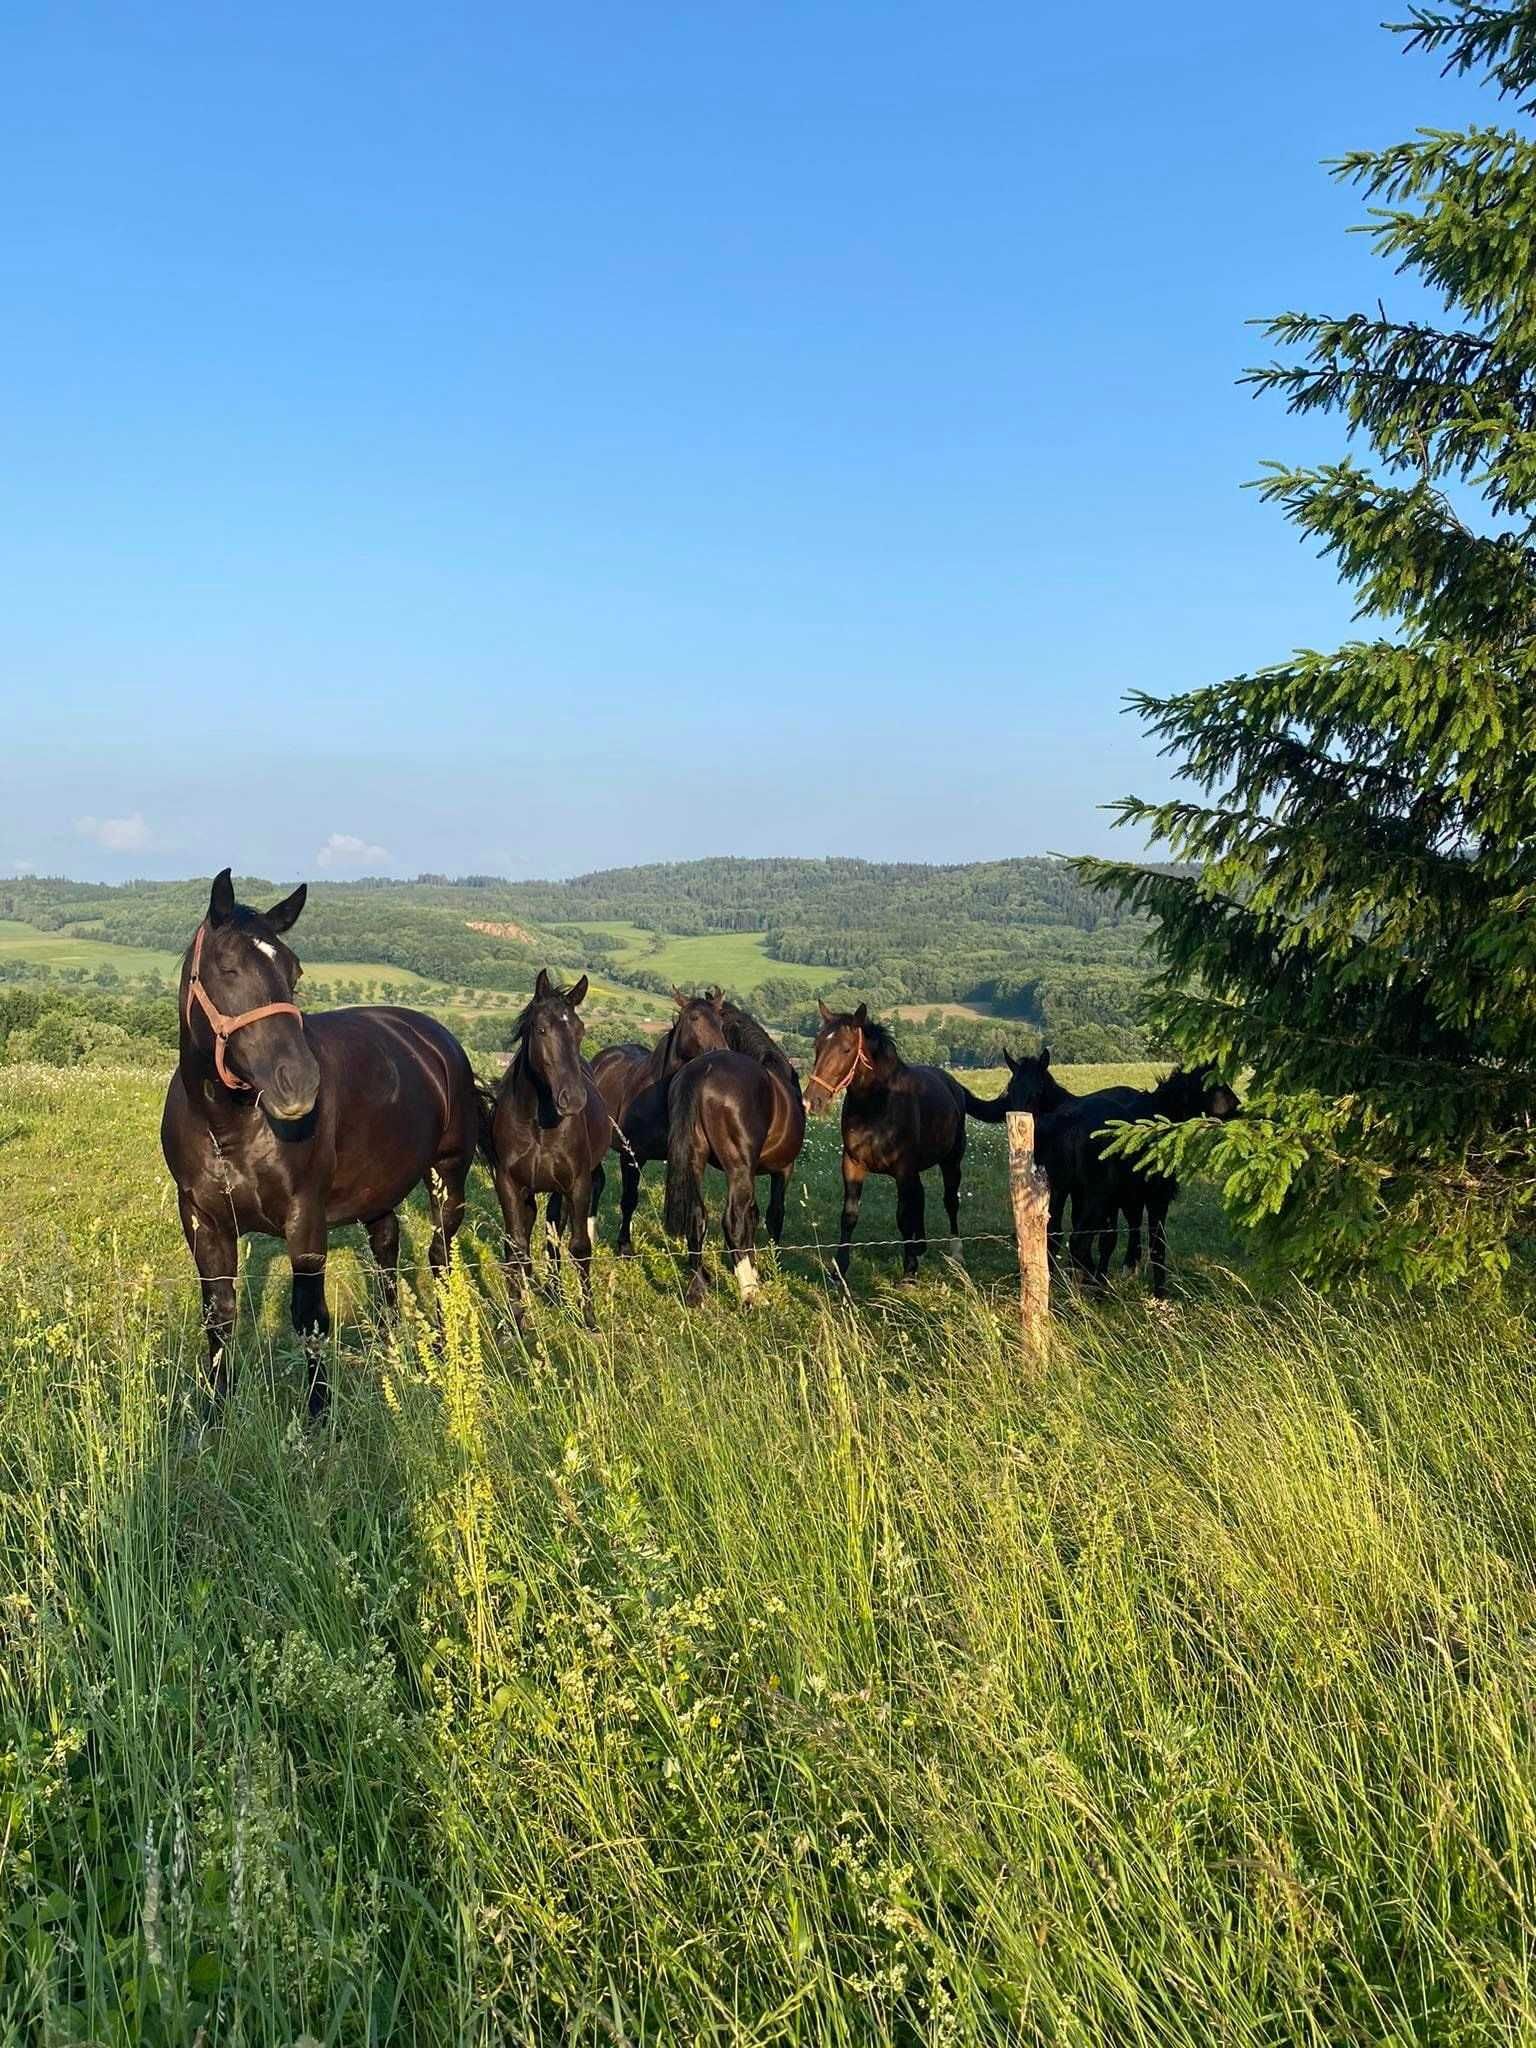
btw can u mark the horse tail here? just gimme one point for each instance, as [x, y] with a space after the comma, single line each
[985, 1112]
[684, 1213]
[485, 1107]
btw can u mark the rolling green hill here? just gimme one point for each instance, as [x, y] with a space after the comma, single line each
[968, 956]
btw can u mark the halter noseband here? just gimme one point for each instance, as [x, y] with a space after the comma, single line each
[224, 1028]
[860, 1059]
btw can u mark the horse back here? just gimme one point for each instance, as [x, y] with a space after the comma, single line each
[1069, 1140]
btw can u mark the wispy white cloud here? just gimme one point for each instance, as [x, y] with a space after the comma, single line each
[346, 850]
[116, 835]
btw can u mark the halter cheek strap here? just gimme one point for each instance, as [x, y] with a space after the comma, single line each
[860, 1059]
[224, 1028]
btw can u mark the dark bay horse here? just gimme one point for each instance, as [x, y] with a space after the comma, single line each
[549, 1132]
[634, 1080]
[739, 1110]
[289, 1125]
[897, 1119]
[1069, 1136]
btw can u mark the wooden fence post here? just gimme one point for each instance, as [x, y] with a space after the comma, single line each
[1031, 1195]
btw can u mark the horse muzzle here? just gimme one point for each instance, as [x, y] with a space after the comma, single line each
[293, 1091]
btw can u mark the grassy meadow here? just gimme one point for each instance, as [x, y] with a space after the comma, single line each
[737, 960]
[821, 1674]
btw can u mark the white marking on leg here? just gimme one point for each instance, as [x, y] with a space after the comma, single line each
[746, 1278]
[957, 1251]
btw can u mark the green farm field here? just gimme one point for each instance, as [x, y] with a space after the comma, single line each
[824, 1673]
[737, 960]
[58, 950]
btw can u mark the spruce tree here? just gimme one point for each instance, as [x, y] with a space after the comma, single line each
[1351, 917]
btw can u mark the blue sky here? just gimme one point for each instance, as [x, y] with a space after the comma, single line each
[521, 439]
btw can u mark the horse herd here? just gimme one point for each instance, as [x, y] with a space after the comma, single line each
[290, 1124]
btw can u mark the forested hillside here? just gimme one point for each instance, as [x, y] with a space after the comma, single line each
[1022, 945]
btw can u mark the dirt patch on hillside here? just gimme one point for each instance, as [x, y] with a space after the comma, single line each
[519, 933]
[918, 1011]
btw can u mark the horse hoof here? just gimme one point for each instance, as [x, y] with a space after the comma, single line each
[698, 1288]
[624, 1249]
[747, 1282]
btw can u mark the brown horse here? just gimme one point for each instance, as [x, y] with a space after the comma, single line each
[897, 1119]
[634, 1080]
[289, 1125]
[739, 1110]
[549, 1133]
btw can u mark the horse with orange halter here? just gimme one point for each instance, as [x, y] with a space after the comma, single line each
[287, 1124]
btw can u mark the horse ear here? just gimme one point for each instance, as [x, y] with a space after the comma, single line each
[716, 1000]
[578, 994]
[678, 997]
[221, 898]
[283, 916]
[861, 1015]
[1045, 1057]
[826, 1014]
[541, 986]
[1013, 1064]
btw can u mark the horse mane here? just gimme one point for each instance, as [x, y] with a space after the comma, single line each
[1180, 1094]
[878, 1041]
[744, 1034]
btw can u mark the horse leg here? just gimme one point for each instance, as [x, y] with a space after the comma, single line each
[1134, 1210]
[910, 1206]
[629, 1196]
[697, 1227]
[215, 1250]
[384, 1242]
[307, 1242]
[583, 1201]
[554, 1223]
[517, 1210]
[445, 1199]
[599, 1182]
[739, 1224]
[950, 1170]
[1058, 1210]
[773, 1222]
[1106, 1237]
[1087, 1221]
[1157, 1242]
[853, 1195]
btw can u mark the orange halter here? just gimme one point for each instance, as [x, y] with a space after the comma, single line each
[224, 1028]
[860, 1059]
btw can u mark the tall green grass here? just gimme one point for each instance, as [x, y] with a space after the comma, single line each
[820, 1674]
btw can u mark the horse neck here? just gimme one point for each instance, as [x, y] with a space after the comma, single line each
[886, 1065]
[530, 1095]
[661, 1055]
[746, 1035]
[1053, 1096]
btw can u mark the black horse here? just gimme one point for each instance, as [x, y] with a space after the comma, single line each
[288, 1125]
[548, 1135]
[634, 1080]
[740, 1110]
[898, 1120]
[1069, 1136]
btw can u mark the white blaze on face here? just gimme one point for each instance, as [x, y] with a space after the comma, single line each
[746, 1278]
[265, 946]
